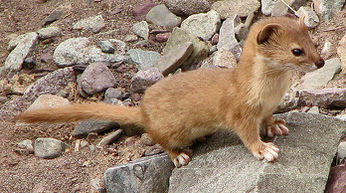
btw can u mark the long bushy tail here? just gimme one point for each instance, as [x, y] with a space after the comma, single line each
[97, 111]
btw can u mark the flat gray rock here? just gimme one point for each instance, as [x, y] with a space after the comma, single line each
[142, 58]
[268, 6]
[145, 175]
[187, 7]
[322, 76]
[22, 47]
[203, 25]
[327, 8]
[170, 62]
[48, 148]
[311, 20]
[161, 16]
[180, 36]
[94, 24]
[141, 29]
[223, 164]
[227, 8]
[77, 51]
[48, 32]
[83, 128]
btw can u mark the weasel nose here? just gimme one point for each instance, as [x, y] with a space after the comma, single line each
[320, 63]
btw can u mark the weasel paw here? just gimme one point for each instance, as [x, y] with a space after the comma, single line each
[181, 160]
[268, 152]
[278, 128]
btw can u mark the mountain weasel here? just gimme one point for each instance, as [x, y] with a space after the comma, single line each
[179, 109]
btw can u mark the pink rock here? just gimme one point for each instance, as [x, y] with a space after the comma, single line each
[327, 98]
[337, 179]
[215, 39]
[163, 37]
[141, 10]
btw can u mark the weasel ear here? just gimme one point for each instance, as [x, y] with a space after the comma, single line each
[266, 32]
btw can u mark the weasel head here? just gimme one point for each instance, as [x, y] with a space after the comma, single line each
[286, 43]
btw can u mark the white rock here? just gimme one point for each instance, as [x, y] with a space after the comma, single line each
[310, 18]
[141, 29]
[203, 25]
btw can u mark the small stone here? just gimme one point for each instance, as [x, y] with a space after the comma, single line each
[162, 37]
[55, 15]
[215, 39]
[27, 145]
[143, 59]
[224, 59]
[171, 61]
[288, 102]
[23, 46]
[141, 10]
[326, 51]
[342, 53]
[241, 31]
[268, 6]
[48, 32]
[203, 25]
[187, 7]
[94, 24]
[130, 38]
[280, 9]
[110, 138]
[141, 29]
[310, 18]
[228, 8]
[48, 101]
[227, 39]
[147, 140]
[180, 36]
[106, 46]
[96, 78]
[113, 93]
[46, 57]
[29, 63]
[161, 16]
[145, 78]
[119, 45]
[48, 148]
[96, 186]
[86, 127]
[314, 110]
[341, 150]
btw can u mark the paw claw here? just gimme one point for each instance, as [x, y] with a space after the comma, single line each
[278, 128]
[268, 151]
[181, 160]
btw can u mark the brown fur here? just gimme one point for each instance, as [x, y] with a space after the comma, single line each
[179, 109]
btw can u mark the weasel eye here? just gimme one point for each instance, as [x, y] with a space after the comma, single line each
[298, 52]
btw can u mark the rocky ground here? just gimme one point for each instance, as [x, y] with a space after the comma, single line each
[111, 50]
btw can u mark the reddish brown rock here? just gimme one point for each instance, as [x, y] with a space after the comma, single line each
[163, 37]
[337, 179]
[327, 98]
[141, 10]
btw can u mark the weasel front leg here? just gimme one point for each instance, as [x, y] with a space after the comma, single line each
[249, 133]
[274, 126]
